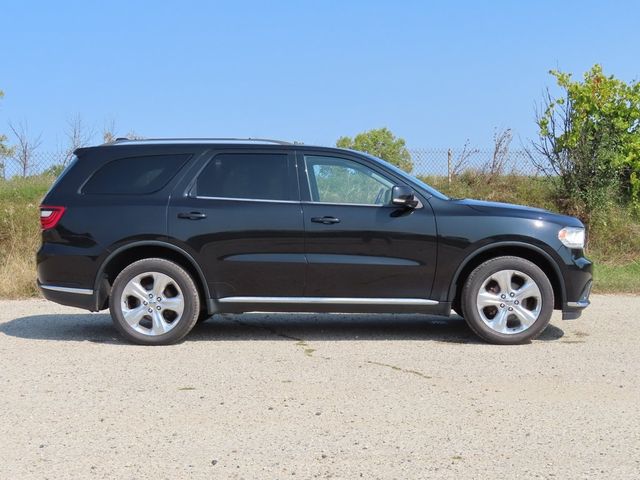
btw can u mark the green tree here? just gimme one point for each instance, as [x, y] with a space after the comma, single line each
[381, 143]
[590, 136]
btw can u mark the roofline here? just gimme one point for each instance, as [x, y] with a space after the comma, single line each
[128, 141]
[238, 143]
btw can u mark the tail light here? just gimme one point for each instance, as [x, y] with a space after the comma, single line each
[50, 216]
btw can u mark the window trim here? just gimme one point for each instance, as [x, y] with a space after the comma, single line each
[373, 205]
[233, 199]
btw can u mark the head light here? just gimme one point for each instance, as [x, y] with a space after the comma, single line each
[572, 237]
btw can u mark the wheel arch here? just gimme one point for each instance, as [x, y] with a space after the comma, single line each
[117, 260]
[527, 251]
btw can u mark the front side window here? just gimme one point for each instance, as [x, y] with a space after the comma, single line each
[247, 176]
[338, 180]
[134, 175]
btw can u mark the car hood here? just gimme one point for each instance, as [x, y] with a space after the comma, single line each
[521, 211]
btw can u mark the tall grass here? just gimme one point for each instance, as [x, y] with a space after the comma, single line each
[20, 234]
[518, 189]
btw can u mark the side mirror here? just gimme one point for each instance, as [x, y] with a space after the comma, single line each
[402, 196]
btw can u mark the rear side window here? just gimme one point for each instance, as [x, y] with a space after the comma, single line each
[249, 176]
[135, 175]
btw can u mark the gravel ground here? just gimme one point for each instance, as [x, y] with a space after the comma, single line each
[318, 396]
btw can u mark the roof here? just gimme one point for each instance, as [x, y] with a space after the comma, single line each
[155, 144]
[144, 141]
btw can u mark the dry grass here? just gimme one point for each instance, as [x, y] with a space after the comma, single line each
[20, 234]
[521, 190]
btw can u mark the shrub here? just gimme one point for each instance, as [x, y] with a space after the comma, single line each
[590, 137]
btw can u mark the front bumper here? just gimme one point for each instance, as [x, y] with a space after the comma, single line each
[573, 309]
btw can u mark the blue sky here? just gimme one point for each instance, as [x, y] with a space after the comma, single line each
[436, 73]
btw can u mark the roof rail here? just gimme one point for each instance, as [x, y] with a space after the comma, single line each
[203, 139]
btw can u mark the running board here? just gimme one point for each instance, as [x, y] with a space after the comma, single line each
[330, 300]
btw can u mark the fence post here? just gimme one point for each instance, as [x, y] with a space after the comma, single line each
[449, 155]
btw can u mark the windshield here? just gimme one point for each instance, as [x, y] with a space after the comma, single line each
[416, 181]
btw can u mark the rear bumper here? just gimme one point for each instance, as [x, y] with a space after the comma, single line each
[71, 296]
[66, 273]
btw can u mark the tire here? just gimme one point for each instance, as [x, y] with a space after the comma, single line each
[507, 300]
[159, 299]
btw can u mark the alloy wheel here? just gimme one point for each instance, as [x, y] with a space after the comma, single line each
[509, 301]
[152, 303]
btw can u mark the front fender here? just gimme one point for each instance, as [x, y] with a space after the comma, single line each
[475, 254]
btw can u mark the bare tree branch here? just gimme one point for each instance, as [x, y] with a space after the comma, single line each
[462, 160]
[501, 144]
[25, 147]
[109, 132]
[110, 135]
[78, 135]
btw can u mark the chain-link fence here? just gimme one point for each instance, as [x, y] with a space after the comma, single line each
[35, 163]
[455, 161]
[426, 162]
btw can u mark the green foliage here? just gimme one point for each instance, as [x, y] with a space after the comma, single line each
[54, 171]
[381, 143]
[25, 189]
[591, 137]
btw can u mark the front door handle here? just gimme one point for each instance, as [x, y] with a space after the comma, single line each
[325, 220]
[192, 215]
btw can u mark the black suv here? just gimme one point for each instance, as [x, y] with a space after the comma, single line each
[167, 232]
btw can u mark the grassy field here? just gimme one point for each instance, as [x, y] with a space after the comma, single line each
[614, 246]
[617, 278]
[20, 234]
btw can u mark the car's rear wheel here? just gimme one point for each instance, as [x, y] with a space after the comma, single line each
[507, 300]
[154, 302]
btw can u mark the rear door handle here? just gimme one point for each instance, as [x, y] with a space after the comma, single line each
[192, 215]
[325, 220]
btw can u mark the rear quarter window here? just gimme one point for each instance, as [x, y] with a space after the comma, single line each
[134, 175]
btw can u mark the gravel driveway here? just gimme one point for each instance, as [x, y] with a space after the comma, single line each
[319, 396]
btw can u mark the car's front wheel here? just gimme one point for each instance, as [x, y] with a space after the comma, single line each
[154, 302]
[507, 300]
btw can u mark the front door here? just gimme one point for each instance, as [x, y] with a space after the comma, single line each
[357, 244]
[241, 219]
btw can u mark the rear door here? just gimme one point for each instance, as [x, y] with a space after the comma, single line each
[357, 244]
[241, 218]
